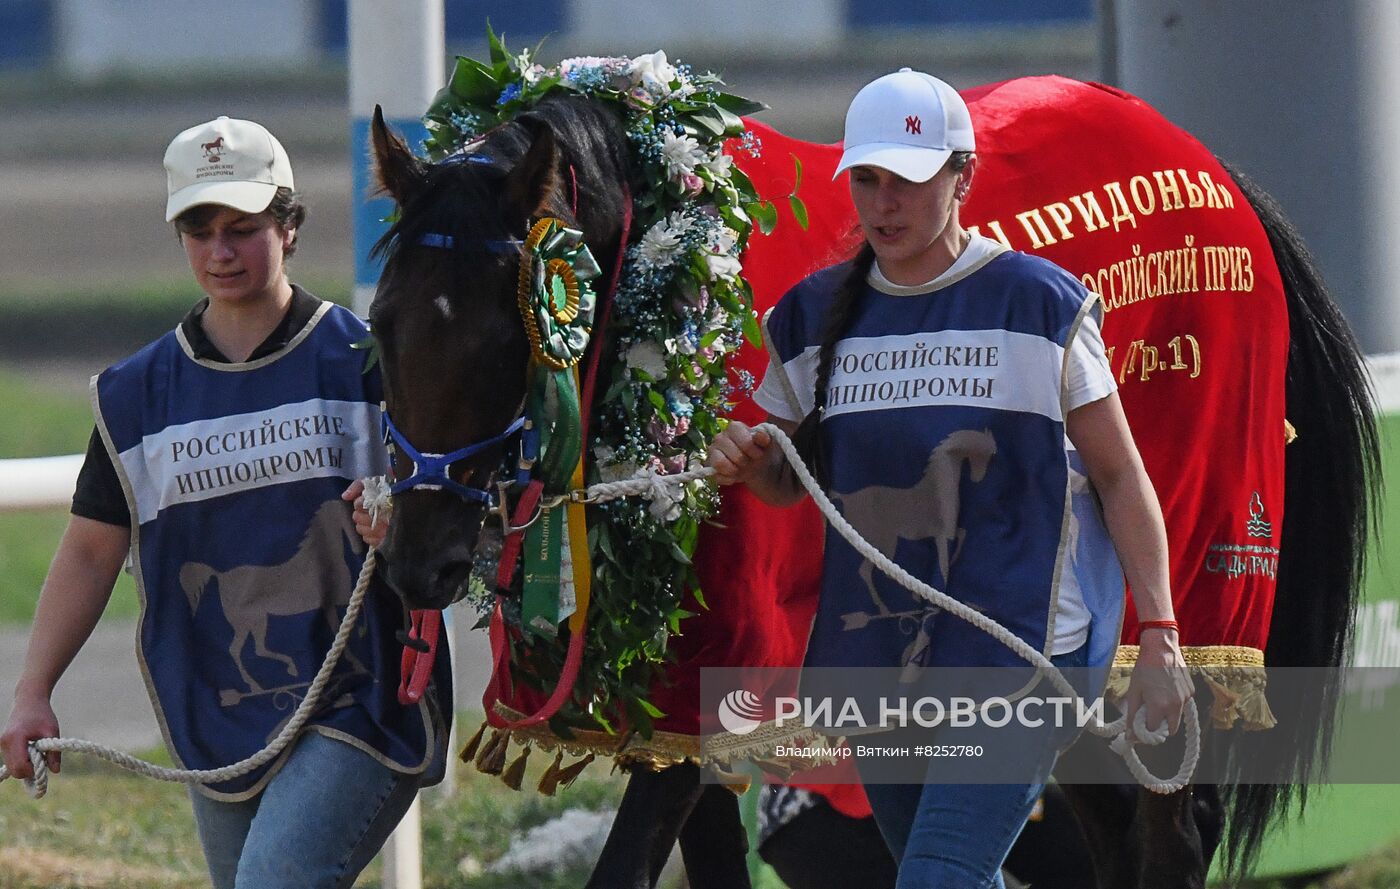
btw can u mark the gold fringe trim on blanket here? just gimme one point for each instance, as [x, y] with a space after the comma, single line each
[1233, 673]
[660, 751]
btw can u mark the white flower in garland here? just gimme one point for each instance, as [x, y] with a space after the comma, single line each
[610, 469]
[682, 154]
[653, 73]
[648, 357]
[719, 165]
[569, 66]
[719, 253]
[662, 242]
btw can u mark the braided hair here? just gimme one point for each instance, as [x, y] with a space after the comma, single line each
[807, 438]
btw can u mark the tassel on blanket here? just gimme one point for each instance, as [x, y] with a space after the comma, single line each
[516, 772]
[469, 752]
[492, 759]
[549, 781]
[567, 775]
[738, 784]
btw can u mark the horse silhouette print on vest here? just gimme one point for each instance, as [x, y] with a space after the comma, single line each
[315, 578]
[928, 509]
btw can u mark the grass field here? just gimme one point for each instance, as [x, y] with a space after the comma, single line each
[56, 420]
[44, 322]
[100, 828]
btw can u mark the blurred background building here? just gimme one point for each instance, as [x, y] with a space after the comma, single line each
[1299, 94]
[95, 37]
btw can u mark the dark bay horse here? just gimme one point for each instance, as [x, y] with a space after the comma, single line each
[454, 356]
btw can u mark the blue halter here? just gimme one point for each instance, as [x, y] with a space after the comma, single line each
[447, 242]
[430, 470]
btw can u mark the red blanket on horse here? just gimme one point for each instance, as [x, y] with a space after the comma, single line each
[1100, 183]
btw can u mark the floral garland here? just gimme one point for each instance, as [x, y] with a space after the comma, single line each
[681, 307]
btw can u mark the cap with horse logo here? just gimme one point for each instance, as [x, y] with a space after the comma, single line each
[235, 163]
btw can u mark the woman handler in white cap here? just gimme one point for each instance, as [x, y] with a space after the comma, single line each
[954, 398]
[220, 463]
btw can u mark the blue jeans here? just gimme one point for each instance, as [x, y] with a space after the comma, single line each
[317, 823]
[956, 836]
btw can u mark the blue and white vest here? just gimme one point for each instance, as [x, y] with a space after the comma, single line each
[243, 552]
[944, 432]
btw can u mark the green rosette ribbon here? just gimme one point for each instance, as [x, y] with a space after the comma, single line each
[556, 298]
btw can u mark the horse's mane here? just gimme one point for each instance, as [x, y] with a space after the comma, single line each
[457, 190]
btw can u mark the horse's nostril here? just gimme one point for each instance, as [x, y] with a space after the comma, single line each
[450, 581]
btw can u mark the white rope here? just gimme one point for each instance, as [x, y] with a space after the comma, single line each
[1115, 730]
[39, 784]
[646, 483]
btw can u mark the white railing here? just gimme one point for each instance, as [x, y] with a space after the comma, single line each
[38, 482]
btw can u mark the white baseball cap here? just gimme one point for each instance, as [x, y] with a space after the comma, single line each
[907, 122]
[236, 163]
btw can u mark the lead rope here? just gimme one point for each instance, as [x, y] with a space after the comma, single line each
[39, 784]
[664, 490]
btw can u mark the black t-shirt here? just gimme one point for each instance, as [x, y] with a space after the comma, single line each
[99, 494]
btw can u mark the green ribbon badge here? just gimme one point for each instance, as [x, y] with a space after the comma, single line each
[556, 300]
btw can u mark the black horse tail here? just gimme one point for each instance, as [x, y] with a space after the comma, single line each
[1331, 493]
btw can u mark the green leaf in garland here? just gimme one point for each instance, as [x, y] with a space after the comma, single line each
[763, 213]
[444, 102]
[799, 210]
[652, 710]
[732, 124]
[370, 346]
[744, 185]
[710, 121]
[797, 178]
[752, 331]
[474, 83]
[497, 48]
[739, 105]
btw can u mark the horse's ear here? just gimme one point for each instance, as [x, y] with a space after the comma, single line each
[535, 177]
[398, 172]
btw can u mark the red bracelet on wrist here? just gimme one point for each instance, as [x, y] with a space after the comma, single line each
[1158, 625]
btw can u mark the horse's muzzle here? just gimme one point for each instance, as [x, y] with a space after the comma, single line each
[430, 547]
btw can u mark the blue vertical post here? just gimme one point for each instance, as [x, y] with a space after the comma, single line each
[397, 61]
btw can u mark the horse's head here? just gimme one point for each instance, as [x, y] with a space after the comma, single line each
[453, 348]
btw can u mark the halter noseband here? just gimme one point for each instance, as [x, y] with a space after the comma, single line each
[430, 470]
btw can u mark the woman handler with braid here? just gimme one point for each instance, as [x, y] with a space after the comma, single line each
[935, 348]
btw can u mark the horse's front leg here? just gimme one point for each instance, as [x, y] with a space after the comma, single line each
[1170, 853]
[1105, 814]
[714, 844]
[654, 808]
